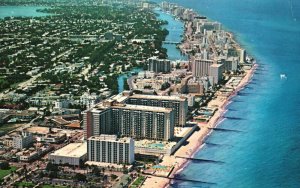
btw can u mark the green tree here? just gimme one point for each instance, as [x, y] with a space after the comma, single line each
[80, 177]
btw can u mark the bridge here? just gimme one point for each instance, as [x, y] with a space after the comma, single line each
[171, 42]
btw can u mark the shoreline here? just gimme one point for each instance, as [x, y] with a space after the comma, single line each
[218, 117]
[196, 140]
[216, 120]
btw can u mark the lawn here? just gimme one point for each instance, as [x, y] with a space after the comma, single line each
[4, 173]
[137, 182]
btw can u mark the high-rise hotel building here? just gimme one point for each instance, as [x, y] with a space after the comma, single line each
[110, 149]
[178, 104]
[201, 67]
[137, 121]
[159, 65]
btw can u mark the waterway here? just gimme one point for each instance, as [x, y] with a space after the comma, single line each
[176, 29]
[20, 11]
[266, 153]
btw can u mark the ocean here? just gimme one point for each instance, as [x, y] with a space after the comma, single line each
[265, 152]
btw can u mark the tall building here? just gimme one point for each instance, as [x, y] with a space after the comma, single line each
[98, 121]
[208, 26]
[178, 104]
[216, 72]
[201, 67]
[23, 140]
[159, 65]
[242, 56]
[141, 122]
[110, 149]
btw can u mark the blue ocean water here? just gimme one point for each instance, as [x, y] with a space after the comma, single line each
[24, 11]
[266, 152]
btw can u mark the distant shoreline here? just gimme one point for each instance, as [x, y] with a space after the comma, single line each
[195, 143]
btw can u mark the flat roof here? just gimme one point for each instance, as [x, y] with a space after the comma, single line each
[111, 138]
[158, 97]
[143, 108]
[72, 150]
[100, 108]
[39, 130]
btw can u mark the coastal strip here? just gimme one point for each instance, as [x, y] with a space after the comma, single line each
[180, 159]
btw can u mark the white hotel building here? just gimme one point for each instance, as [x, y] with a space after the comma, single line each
[110, 149]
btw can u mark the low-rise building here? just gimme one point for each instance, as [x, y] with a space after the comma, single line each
[72, 154]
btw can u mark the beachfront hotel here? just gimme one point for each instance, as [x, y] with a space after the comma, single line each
[136, 121]
[177, 103]
[216, 73]
[110, 149]
[201, 67]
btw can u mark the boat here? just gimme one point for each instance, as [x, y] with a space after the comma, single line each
[283, 76]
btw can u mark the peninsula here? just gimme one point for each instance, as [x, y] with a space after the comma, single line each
[63, 121]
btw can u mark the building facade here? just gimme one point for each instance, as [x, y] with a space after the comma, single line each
[216, 73]
[110, 149]
[178, 104]
[72, 154]
[159, 65]
[137, 121]
[201, 67]
[23, 140]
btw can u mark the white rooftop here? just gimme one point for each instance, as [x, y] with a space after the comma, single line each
[72, 150]
[158, 97]
[110, 138]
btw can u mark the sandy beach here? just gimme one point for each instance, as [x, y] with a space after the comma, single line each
[195, 141]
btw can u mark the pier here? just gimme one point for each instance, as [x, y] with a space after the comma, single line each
[225, 130]
[218, 145]
[200, 160]
[233, 118]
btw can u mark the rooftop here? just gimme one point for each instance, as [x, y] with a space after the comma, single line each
[101, 107]
[144, 108]
[111, 138]
[157, 97]
[72, 150]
